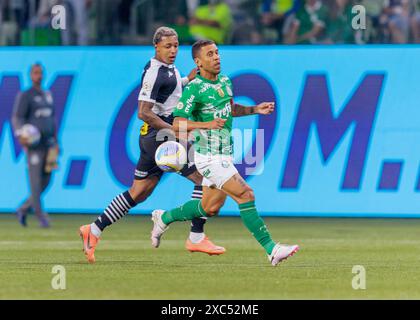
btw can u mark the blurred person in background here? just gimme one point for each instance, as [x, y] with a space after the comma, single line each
[308, 24]
[12, 20]
[178, 15]
[396, 20]
[35, 106]
[43, 14]
[373, 32]
[338, 27]
[212, 20]
[415, 20]
[246, 25]
[77, 32]
[19, 11]
[39, 30]
[124, 15]
[7, 25]
[273, 17]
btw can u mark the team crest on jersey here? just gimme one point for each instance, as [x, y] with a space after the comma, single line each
[180, 105]
[225, 164]
[220, 92]
[147, 86]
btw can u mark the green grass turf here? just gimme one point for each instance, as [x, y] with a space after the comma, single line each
[128, 268]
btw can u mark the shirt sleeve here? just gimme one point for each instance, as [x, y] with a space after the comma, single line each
[152, 81]
[187, 102]
[20, 112]
[185, 81]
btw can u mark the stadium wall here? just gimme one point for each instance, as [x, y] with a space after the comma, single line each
[344, 140]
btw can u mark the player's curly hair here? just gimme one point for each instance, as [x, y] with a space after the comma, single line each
[163, 32]
[196, 47]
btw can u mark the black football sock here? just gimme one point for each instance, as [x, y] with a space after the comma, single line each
[197, 224]
[117, 209]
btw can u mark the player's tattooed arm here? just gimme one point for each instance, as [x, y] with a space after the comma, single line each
[146, 114]
[264, 108]
[240, 110]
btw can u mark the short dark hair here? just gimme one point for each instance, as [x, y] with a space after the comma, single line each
[163, 32]
[196, 47]
[36, 65]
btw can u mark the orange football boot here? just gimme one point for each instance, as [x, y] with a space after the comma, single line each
[205, 246]
[89, 242]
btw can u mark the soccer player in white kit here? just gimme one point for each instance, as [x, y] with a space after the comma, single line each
[161, 88]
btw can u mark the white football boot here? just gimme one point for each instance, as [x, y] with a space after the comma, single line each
[158, 227]
[282, 252]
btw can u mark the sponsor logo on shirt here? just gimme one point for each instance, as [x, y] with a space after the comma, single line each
[180, 105]
[189, 103]
[44, 113]
[223, 112]
[204, 87]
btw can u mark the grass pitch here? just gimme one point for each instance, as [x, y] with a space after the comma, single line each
[129, 268]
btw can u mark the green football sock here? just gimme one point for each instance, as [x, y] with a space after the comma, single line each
[256, 225]
[187, 211]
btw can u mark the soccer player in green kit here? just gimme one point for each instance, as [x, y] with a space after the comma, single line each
[206, 107]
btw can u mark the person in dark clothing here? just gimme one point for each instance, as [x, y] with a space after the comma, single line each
[35, 107]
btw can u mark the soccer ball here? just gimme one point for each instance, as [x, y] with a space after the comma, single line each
[171, 156]
[30, 132]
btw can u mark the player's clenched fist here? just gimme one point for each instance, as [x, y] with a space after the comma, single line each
[216, 124]
[265, 108]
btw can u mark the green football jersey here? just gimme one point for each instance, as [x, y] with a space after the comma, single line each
[204, 100]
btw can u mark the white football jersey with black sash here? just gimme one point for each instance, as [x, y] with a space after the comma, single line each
[161, 84]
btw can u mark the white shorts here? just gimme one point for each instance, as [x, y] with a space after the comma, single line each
[215, 169]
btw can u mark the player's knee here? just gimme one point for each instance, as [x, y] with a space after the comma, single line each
[139, 194]
[248, 195]
[212, 213]
[212, 209]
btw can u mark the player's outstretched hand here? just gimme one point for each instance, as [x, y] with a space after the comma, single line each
[265, 108]
[192, 74]
[216, 124]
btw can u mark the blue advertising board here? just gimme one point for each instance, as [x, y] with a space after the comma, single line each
[344, 140]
